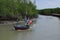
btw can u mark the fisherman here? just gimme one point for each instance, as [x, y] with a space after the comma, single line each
[17, 21]
[30, 22]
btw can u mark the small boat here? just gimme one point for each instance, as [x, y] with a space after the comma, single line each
[21, 27]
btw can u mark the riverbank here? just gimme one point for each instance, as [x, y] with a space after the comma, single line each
[56, 15]
[14, 22]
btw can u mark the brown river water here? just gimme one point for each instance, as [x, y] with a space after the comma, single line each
[45, 28]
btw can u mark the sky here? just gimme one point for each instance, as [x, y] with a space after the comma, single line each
[43, 4]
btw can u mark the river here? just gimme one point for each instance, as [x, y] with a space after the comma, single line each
[45, 28]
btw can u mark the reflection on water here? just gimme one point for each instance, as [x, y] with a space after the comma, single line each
[46, 28]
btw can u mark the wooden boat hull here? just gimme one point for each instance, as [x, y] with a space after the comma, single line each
[17, 28]
[21, 27]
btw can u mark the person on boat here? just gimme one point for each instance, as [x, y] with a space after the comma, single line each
[17, 20]
[26, 20]
[30, 22]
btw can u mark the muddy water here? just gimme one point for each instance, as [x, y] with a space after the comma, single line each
[45, 28]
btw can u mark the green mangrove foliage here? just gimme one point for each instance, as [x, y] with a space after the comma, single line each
[49, 11]
[17, 8]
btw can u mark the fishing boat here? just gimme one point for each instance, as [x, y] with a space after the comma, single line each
[23, 27]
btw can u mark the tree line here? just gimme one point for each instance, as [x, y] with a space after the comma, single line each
[49, 11]
[17, 9]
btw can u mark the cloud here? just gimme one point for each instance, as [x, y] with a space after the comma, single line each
[41, 4]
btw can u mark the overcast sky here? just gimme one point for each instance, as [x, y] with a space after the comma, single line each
[42, 4]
